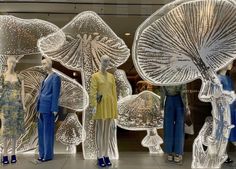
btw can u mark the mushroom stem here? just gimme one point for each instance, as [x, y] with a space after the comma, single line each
[152, 140]
[216, 141]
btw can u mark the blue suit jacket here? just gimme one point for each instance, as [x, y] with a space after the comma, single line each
[49, 94]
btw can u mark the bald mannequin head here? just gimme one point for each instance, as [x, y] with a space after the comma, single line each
[47, 65]
[11, 62]
[105, 61]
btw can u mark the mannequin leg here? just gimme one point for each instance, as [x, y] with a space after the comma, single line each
[179, 131]
[169, 125]
[5, 147]
[107, 129]
[99, 137]
[41, 136]
[13, 143]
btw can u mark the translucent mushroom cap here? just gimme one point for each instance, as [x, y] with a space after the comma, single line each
[20, 36]
[123, 87]
[72, 96]
[179, 42]
[84, 40]
[140, 112]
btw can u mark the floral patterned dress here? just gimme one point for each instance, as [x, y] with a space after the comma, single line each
[11, 109]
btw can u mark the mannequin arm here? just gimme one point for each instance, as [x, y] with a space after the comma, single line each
[184, 97]
[114, 92]
[23, 94]
[56, 87]
[163, 97]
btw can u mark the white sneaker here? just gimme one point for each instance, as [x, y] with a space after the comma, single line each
[178, 159]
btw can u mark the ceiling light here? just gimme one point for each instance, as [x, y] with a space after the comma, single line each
[127, 34]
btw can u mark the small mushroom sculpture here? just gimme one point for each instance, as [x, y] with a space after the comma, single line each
[186, 40]
[142, 112]
[70, 132]
[79, 46]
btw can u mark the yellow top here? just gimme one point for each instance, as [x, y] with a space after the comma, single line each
[103, 84]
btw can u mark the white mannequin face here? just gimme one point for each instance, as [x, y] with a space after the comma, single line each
[105, 61]
[230, 66]
[11, 63]
[46, 64]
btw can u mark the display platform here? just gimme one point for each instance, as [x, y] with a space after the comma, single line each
[128, 160]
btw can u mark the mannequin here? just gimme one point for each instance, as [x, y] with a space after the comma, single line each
[47, 107]
[103, 100]
[12, 108]
[175, 107]
[227, 84]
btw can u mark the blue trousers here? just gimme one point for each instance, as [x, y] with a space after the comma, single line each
[46, 127]
[174, 125]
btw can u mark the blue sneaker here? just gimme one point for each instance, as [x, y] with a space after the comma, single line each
[107, 161]
[13, 159]
[101, 162]
[5, 160]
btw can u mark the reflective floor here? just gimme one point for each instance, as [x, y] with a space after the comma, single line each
[128, 160]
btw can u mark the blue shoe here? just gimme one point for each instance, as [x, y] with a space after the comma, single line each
[45, 160]
[5, 160]
[13, 159]
[101, 162]
[107, 161]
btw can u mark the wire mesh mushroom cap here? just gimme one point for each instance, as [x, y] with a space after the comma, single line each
[140, 112]
[71, 131]
[123, 87]
[86, 38]
[20, 36]
[72, 96]
[166, 49]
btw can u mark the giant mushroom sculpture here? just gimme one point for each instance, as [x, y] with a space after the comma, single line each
[79, 46]
[186, 40]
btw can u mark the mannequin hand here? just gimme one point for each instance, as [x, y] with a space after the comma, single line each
[55, 115]
[162, 111]
[94, 111]
[24, 108]
[38, 115]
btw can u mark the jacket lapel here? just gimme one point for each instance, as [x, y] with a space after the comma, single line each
[47, 81]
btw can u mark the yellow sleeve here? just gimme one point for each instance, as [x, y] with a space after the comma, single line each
[114, 91]
[93, 92]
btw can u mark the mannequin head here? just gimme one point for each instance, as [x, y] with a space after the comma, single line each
[11, 63]
[47, 65]
[105, 61]
[229, 66]
[226, 68]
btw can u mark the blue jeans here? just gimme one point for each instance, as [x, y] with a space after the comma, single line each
[46, 127]
[174, 125]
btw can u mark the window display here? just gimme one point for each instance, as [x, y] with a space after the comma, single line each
[186, 40]
[79, 46]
